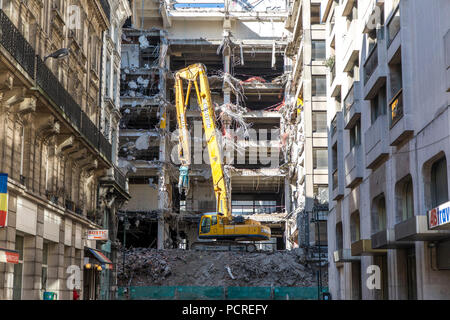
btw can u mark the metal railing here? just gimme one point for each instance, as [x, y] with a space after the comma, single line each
[14, 42]
[396, 105]
[120, 179]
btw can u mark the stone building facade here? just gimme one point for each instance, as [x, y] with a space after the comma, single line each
[58, 158]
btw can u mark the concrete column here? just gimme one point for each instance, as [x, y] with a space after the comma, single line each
[161, 238]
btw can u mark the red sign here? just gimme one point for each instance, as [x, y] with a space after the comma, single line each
[97, 234]
[9, 256]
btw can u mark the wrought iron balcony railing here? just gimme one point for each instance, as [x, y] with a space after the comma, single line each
[14, 42]
[120, 179]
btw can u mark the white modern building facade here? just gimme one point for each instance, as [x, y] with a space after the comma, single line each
[389, 148]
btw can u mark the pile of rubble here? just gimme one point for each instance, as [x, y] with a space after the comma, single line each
[150, 267]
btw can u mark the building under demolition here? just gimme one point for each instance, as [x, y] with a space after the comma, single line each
[242, 46]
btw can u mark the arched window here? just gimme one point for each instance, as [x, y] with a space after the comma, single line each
[408, 200]
[439, 184]
[378, 216]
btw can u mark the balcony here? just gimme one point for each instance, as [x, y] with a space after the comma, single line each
[352, 43]
[363, 247]
[118, 181]
[334, 81]
[393, 26]
[375, 67]
[49, 86]
[385, 239]
[377, 147]
[401, 124]
[352, 106]
[354, 170]
[416, 229]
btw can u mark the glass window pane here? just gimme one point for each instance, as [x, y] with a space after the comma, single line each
[318, 50]
[17, 281]
[320, 158]
[319, 120]
[439, 185]
[319, 86]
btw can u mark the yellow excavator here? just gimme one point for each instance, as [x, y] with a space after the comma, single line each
[224, 231]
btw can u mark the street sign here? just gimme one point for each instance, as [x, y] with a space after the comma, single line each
[9, 256]
[439, 217]
[97, 235]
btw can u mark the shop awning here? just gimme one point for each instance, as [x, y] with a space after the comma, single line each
[101, 258]
[9, 256]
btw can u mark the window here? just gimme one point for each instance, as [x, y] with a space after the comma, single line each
[248, 207]
[335, 156]
[44, 273]
[319, 86]
[408, 200]
[379, 214]
[321, 193]
[315, 13]
[355, 232]
[108, 78]
[213, 220]
[319, 121]
[394, 26]
[378, 105]
[320, 158]
[355, 135]
[318, 50]
[18, 268]
[439, 184]
[206, 225]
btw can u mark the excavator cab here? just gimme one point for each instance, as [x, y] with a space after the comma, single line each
[209, 225]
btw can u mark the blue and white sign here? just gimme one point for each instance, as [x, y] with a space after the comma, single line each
[440, 216]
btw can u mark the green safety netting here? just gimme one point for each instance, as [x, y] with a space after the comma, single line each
[220, 293]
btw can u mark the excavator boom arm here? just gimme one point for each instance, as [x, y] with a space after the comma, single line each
[197, 74]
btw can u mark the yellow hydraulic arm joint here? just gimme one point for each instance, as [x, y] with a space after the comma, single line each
[196, 74]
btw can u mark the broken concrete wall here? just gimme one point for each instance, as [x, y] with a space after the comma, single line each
[145, 198]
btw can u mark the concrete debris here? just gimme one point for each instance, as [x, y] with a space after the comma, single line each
[143, 142]
[143, 41]
[172, 267]
[229, 272]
